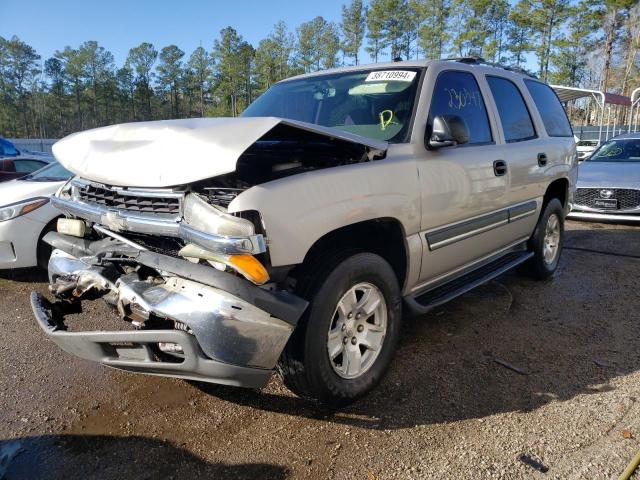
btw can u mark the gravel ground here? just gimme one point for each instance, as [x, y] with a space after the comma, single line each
[447, 409]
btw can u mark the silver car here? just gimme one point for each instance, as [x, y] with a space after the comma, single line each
[292, 237]
[608, 185]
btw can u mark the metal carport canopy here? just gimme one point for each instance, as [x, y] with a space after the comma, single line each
[566, 94]
[635, 107]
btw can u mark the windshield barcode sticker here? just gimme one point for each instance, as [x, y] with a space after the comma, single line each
[391, 75]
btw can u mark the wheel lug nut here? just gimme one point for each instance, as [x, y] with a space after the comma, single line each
[345, 340]
[360, 328]
[358, 316]
[350, 315]
[354, 340]
[344, 327]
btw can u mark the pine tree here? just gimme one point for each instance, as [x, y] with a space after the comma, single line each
[170, 75]
[546, 18]
[353, 29]
[22, 72]
[200, 69]
[141, 60]
[376, 42]
[318, 44]
[432, 17]
[519, 31]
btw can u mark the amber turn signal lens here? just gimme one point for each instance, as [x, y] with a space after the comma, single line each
[33, 206]
[249, 267]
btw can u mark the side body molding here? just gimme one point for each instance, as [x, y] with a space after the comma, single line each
[443, 236]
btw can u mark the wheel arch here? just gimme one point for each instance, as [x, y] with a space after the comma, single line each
[558, 189]
[383, 236]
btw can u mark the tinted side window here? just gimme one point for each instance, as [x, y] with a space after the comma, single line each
[457, 93]
[28, 166]
[514, 116]
[553, 115]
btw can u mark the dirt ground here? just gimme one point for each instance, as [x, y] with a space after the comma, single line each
[447, 409]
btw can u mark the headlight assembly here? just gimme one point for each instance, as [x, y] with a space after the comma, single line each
[14, 210]
[201, 216]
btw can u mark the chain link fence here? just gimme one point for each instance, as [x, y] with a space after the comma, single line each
[592, 132]
[34, 144]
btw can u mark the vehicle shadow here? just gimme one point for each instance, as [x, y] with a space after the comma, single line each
[25, 275]
[110, 457]
[566, 336]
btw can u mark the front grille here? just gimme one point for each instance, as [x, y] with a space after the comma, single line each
[131, 202]
[627, 198]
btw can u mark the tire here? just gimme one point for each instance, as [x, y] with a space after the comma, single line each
[305, 365]
[546, 248]
[43, 250]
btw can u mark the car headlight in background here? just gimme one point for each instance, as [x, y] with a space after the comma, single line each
[21, 208]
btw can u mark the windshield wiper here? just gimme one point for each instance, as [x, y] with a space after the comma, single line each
[45, 179]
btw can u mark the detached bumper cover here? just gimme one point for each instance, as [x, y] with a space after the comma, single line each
[132, 351]
[227, 330]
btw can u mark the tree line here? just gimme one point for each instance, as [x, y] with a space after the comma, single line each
[589, 43]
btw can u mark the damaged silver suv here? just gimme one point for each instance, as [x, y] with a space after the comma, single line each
[293, 237]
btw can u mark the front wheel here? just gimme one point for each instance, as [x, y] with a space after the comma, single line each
[546, 242]
[347, 338]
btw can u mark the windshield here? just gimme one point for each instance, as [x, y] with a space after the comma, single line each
[373, 103]
[53, 172]
[621, 150]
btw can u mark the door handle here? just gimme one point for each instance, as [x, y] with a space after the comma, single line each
[542, 159]
[500, 168]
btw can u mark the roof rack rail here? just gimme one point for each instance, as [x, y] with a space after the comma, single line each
[482, 61]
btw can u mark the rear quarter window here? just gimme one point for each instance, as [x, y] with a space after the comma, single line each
[553, 115]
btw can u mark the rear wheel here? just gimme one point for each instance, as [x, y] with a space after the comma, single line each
[546, 242]
[347, 338]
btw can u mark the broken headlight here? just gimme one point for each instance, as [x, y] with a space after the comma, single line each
[201, 216]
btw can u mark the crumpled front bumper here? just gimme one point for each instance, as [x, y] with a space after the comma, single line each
[231, 331]
[132, 351]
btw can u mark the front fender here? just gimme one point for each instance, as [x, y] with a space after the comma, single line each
[299, 210]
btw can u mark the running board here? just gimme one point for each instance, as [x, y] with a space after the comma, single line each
[425, 301]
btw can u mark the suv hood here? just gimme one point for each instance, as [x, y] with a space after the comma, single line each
[175, 152]
[609, 174]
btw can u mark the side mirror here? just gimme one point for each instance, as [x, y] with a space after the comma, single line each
[448, 131]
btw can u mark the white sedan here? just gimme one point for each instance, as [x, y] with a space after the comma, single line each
[26, 215]
[584, 148]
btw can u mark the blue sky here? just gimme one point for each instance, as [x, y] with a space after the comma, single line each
[117, 25]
